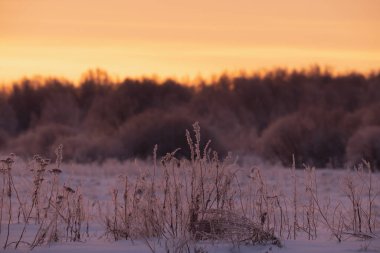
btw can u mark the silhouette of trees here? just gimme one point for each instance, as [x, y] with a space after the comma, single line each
[8, 122]
[26, 102]
[324, 120]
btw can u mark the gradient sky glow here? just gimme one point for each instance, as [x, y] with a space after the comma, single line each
[175, 38]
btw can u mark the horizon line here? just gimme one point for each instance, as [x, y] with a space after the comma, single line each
[189, 80]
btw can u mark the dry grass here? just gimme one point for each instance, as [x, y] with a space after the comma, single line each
[180, 202]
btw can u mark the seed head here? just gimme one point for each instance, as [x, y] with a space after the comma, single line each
[55, 171]
[68, 189]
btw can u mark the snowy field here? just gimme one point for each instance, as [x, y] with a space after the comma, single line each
[59, 207]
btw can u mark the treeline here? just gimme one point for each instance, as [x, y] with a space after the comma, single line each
[323, 119]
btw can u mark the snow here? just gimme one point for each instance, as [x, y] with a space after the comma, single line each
[290, 246]
[97, 181]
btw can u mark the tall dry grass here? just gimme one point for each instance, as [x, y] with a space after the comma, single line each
[176, 202]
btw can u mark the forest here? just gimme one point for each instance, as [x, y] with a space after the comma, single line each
[325, 120]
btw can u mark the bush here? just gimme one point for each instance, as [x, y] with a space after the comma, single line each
[41, 140]
[85, 148]
[3, 138]
[140, 134]
[364, 144]
[314, 137]
[284, 138]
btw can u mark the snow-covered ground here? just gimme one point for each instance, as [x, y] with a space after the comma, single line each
[98, 182]
[290, 246]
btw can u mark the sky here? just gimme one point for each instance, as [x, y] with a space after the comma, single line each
[175, 38]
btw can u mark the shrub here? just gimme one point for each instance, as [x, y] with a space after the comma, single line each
[41, 139]
[364, 144]
[3, 138]
[314, 137]
[284, 138]
[87, 147]
[140, 134]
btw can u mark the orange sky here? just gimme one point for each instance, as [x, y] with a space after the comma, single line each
[185, 38]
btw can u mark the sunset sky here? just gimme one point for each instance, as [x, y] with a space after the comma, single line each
[174, 38]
